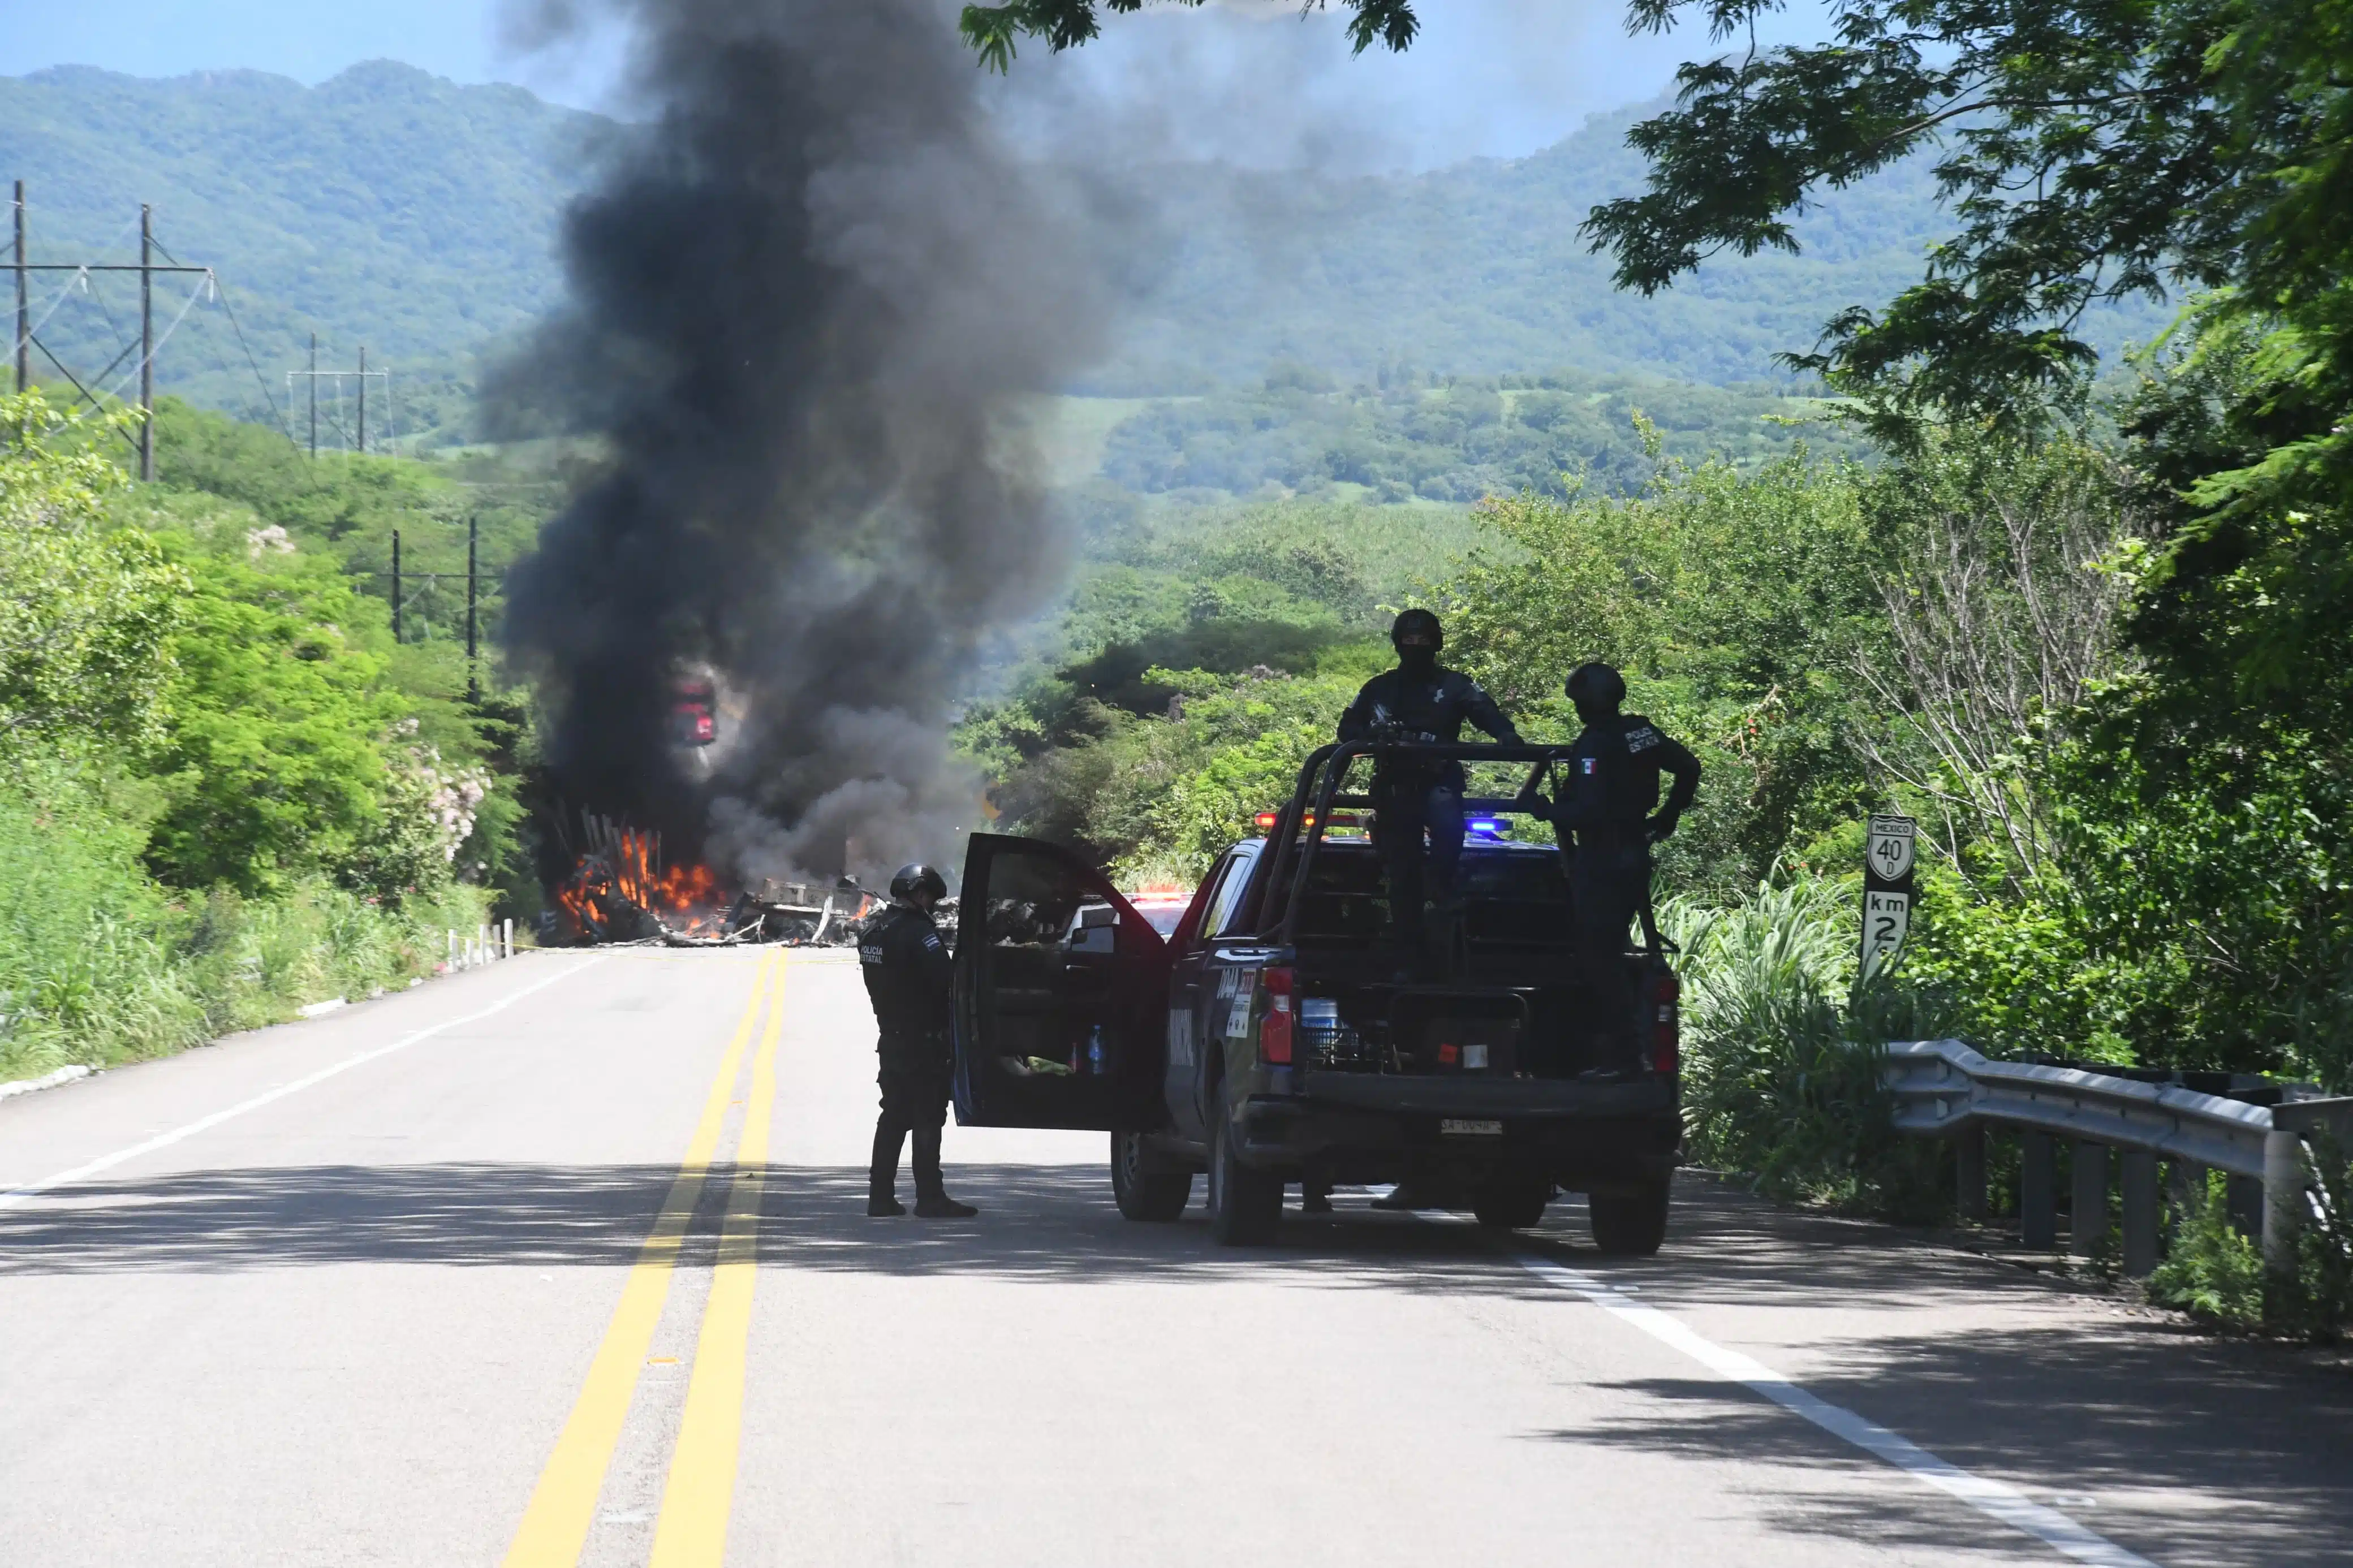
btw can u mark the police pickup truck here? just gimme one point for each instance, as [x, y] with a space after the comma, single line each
[1271, 1038]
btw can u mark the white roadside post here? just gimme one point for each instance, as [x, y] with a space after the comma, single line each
[2287, 1182]
[2284, 1198]
[506, 937]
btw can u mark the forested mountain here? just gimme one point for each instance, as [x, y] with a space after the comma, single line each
[385, 207]
[1478, 270]
[394, 209]
[1301, 435]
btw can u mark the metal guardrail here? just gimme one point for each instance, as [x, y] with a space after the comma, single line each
[1939, 1084]
[1944, 1088]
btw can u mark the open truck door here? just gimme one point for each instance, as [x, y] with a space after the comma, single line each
[1061, 991]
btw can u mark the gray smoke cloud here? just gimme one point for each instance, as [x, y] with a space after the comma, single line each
[814, 301]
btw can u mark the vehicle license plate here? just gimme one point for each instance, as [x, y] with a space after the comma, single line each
[1456, 1125]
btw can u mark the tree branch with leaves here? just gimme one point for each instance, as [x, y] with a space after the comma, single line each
[992, 32]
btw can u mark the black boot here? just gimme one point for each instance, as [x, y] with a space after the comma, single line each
[882, 1175]
[932, 1200]
[939, 1205]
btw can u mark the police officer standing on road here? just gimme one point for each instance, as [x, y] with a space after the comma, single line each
[1419, 702]
[1610, 800]
[907, 976]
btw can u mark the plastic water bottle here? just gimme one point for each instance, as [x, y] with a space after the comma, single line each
[1095, 1052]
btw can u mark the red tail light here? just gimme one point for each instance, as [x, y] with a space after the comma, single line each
[1666, 1029]
[1274, 1026]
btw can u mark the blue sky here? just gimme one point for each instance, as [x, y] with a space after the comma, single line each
[1248, 78]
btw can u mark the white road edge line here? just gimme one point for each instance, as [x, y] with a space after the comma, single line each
[1996, 1500]
[19, 1197]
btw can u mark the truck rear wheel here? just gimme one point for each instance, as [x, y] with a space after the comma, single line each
[1142, 1190]
[1629, 1224]
[1245, 1203]
[1512, 1202]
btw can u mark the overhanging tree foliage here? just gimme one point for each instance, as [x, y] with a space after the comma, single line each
[992, 30]
[2086, 146]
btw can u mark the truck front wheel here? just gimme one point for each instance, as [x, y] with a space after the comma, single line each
[1631, 1224]
[1142, 1190]
[1245, 1203]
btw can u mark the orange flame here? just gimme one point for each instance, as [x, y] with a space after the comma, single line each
[685, 898]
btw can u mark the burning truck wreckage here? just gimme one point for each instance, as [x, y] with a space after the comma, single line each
[619, 891]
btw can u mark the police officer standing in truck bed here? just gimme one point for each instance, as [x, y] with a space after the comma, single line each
[907, 974]
[1419, 702]
[1609, 801]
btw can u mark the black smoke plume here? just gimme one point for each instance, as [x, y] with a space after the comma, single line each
[812, 305]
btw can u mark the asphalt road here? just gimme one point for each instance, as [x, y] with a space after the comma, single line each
[474, 1275]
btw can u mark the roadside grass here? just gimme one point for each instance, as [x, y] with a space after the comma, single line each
[100, 964]
[1782, 1052]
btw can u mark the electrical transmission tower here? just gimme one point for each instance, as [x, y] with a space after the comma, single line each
[28, 328]
[474, 577]
[362, 375]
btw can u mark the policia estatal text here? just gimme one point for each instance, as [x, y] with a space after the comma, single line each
[907, 972]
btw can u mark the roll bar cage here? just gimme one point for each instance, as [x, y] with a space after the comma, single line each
[1294, 855]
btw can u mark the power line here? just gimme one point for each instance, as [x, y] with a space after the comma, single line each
[89, 288]
[147, 359]
[268, 398]
[26, 332]
[254, 366]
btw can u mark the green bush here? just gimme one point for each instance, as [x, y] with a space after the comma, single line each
[287, 748]
[2210, 1272]
[1782, 1053]
[2218, 1277]
[87, 610]
[98, 964]
[83, 968]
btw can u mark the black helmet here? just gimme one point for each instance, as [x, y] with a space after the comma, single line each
[917, 878]
[1595, 686]
[1418, 625]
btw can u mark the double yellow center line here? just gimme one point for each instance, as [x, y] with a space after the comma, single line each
[691, 1529]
